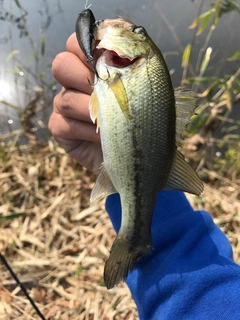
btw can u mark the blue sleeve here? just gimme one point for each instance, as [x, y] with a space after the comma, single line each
[190, 274]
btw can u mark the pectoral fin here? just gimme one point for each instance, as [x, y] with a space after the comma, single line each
[120, 94]
[93, 109]
[183, 177]
[103, 187]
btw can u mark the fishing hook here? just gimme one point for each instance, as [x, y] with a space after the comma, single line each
[86, 5]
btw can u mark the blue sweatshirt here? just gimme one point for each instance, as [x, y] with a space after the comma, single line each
[190, 274]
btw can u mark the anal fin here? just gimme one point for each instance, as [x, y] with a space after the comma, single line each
[183, 177]
[103, 187]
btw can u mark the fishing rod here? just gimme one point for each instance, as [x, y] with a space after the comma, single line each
[13, 274]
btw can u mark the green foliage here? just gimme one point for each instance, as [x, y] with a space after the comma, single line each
[101, 283]
[13, 245]
[229, 6]
[10, 105]
[11, 55]
[197, 123]
[17, 4]
[229, 87]
[215, 92]
[3, 154]
[186, 55]
[43, 44]
[12, 216]
[208, 21]
[218, 89]
[206, 60]
[235, 56]
[201, 79]
[79, 271]
[229, 163]
[214, 13]
[202, 21]
[172, 53]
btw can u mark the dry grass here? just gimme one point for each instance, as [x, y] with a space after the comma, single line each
[59, 246]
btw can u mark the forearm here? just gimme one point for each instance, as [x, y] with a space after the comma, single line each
[190, 273]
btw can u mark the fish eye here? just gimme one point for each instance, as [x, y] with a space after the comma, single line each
[139, 30]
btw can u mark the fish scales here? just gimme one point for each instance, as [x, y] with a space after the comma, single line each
[134, 105]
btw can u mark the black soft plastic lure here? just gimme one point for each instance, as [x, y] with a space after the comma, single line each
[85, 29]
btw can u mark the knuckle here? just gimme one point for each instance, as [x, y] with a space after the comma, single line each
[73, 126]
[52, 119]
[57, 103]
[63, 101]
[67, 101]
[51, 124]
[56, 100]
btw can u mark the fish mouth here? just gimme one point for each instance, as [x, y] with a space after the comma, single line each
[113, 59]
[107, 45]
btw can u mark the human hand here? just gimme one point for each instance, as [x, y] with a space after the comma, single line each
[70, 122]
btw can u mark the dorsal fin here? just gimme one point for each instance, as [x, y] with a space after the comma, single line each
[185, 106]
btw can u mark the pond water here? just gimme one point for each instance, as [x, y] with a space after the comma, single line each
[33, 32]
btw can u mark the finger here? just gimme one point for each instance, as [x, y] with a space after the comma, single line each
[71, 73]
[72, 104]
[70, 129]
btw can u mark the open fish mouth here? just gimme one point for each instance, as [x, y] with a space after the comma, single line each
[113, 59]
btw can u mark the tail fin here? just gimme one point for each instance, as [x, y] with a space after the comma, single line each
[123, 258]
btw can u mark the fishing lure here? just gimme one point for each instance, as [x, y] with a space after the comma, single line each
[85, 30]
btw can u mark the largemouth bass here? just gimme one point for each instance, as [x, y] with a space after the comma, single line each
[141, 119]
